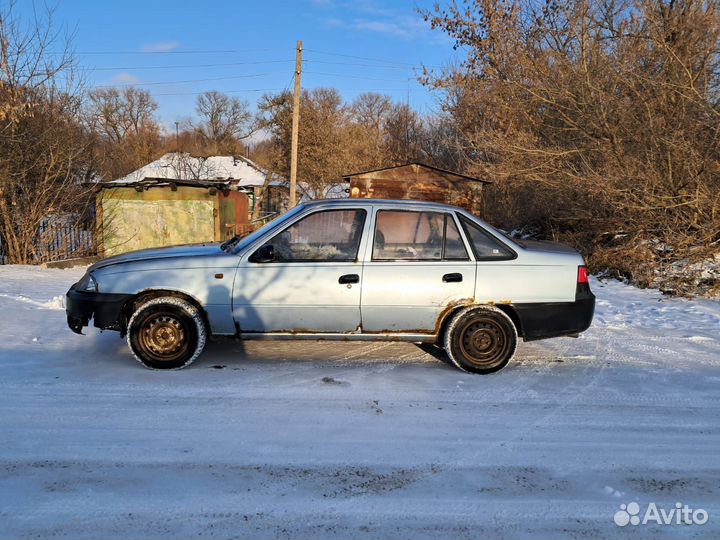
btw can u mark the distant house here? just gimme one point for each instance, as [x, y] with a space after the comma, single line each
[182, 199]
[419, 182]
[242, 174]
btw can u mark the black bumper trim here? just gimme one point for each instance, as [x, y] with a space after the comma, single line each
[553, 319]
[104, 308]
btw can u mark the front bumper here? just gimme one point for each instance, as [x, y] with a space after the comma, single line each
[104, 308]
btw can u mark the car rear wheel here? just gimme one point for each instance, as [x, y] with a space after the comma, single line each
[480, 339]
[166, 333]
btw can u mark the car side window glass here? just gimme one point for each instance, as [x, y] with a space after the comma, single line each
[454, 245]
[486, 247]
[416, 236]
[331, 235]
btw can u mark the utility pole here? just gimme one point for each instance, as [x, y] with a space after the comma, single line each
[295, 126]
[177, 148]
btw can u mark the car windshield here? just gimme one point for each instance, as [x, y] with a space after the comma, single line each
[237, 243]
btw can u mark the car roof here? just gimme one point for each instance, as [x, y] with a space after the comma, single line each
[391, 203]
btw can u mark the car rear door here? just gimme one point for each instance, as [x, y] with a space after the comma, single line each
[418, 265]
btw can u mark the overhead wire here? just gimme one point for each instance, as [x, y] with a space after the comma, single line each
[358, 77]
[132, 68]
[312, 61]
[224, 92]
[360, 57]
[155, 83]
[368, 62]
[197, 51]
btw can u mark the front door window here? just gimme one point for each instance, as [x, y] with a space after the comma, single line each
[325, 236]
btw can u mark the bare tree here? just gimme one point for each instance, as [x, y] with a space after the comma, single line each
[338, 138]
[371, 110]
[403, 135]
[43, 147]
[323, 152]
[118, 114]
[223, 122]
[369, 113]
[126, 130]
[597, 121]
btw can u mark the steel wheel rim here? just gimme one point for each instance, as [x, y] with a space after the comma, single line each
[164, 337]
[484, 341]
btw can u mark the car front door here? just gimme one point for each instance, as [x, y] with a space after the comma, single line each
[418, 264]
[304, 279]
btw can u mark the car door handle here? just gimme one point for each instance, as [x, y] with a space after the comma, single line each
[452, 278]
[349, 278]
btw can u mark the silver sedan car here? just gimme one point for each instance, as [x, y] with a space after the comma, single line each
[349, 269]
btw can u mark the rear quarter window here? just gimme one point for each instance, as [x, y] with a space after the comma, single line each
[485, 246]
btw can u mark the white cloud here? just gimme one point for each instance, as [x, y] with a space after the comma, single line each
[161, 46]
[383, 27]
[370, 16]
[401, 27]
[334, 22]
[125, 78]
[370, 8]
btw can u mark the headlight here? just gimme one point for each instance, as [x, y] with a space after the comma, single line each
[87, 283]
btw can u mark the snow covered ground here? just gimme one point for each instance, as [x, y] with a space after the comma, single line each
[295, 439]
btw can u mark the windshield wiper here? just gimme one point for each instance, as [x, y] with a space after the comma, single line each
[230, 242]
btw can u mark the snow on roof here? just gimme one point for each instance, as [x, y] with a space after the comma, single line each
[183, 166]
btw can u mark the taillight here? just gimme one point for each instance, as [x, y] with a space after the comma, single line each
[583, 275]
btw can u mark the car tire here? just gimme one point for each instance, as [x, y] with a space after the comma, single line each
[480, 339]
[166, 333]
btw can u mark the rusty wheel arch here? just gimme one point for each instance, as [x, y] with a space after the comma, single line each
[447, 315]
[143, 296]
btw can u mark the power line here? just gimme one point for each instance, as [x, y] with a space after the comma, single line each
[358, 77]
[290, 82]
[198, 51]
[134, 68]
[139, 83]
[224, 92]
[361, 57]
[361, 65]
[373, 89]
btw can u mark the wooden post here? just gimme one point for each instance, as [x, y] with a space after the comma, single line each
[295, 126]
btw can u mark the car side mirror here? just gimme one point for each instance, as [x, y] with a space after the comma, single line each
[265, 254]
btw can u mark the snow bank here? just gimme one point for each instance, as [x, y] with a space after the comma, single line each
[362, 440]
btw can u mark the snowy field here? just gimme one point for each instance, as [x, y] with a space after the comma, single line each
[297, 440]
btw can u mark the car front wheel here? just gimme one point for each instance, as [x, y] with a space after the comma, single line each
[480, 339]
[166, 333]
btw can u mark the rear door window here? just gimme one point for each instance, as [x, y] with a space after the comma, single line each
[416, 236]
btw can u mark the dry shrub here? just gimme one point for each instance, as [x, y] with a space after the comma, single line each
[596, 120]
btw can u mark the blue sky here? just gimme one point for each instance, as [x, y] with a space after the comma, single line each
[248, 47]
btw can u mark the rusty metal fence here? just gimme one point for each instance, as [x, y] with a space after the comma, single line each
[58, 239]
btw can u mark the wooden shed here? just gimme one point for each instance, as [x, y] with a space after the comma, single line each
[419, 182]
[156, 212]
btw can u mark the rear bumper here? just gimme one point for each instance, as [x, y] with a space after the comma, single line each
[104, 308]
[553, 319]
